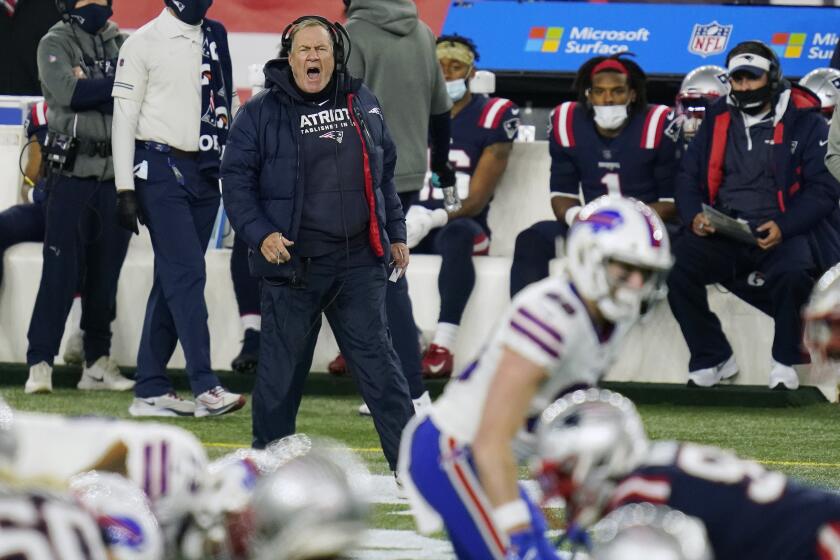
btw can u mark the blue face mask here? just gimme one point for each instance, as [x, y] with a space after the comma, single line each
[92, 17]
[456, 89]
[190, 12]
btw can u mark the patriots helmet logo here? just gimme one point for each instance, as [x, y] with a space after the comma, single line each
[337, 135]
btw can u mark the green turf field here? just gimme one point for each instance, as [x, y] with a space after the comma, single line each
[802, 441]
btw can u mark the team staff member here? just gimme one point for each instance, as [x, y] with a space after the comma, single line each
[171, 97]
[76, 61]
[757, 157]
[394, 55]
[308, 184]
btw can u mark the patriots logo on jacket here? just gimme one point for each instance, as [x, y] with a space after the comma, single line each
[337, 135]
[376, 111]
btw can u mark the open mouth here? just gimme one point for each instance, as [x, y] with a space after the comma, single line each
[313, 73]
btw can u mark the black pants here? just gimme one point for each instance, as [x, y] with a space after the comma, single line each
[700, 261]
[81, 231]
[534, 249]
[353, 299]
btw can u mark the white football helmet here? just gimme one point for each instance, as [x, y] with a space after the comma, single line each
[699, 89]
[129, 527]
[616, 230]
[314, 506]
[821, 318]
[586, 442]
[825, 82]
[648, 532]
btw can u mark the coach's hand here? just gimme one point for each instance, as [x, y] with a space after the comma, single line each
[274, 248]
[128, 211]
[400, 254]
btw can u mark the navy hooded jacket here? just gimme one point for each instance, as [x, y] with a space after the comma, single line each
[263, 177]
[807, 194]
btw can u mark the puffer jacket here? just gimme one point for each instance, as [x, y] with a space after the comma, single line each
[263, 180]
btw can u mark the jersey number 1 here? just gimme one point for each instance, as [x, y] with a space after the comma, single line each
[612, 182]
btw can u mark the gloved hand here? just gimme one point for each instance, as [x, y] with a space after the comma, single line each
[443, 176]
[418, 223]
[128, 211]
[525, 545]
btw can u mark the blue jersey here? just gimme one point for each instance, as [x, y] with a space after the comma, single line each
[641, 162]
[483, 122]
[750, 513]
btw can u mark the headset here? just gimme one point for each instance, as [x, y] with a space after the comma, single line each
[340, 40]
[774, 75]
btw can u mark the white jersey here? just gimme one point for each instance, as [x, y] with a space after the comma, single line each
[37, 525]
[548, 324]
[166, 462]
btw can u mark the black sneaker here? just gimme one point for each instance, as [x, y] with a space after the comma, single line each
[246, 361]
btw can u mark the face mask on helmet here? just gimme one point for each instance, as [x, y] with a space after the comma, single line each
[821, 318]
[692, 110]
[610, 117]
[586, 442]
[190, 12]
[618, 254]
[91, 18]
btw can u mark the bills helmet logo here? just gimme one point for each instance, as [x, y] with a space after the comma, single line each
[122, 532]
[604, 220]
[709, 39]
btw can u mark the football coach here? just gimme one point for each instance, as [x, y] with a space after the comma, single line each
[307, 181]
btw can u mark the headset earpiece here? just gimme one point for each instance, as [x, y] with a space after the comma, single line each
[337, 32]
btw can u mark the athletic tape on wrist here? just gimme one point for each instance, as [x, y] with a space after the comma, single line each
[512, 514]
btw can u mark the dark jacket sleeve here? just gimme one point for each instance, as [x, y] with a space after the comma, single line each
[690, 184]
[665, 166]
[394, 215]
[240, 174]
[819, 190]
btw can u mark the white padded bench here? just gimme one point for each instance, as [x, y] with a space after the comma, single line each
[654, 352]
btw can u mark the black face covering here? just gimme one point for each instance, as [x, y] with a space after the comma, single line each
[752, 102]
[190, 12]
[92, 17]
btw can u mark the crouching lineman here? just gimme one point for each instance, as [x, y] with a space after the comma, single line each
[593, 451]
[456, 461]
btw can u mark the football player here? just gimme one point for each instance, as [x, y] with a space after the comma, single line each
[609, 141]
[593, 451]
[698, 90]
[166, 462]
[648, 532]
[821, 317]
[456, 461]
[483, 130]
[825, 82]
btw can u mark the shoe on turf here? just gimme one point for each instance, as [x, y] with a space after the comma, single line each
[711, 376]
[364, 410]
[437, 362]
[218, 401]
[338, 366]
[104, 375]
[169, 404]
[246, 361]
[74, 351]
[40, 379]
[783, 377]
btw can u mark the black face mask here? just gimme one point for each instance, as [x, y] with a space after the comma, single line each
[190, 12]
[92, 17]
[752, 102]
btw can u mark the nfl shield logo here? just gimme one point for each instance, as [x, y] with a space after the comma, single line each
[708, 39]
